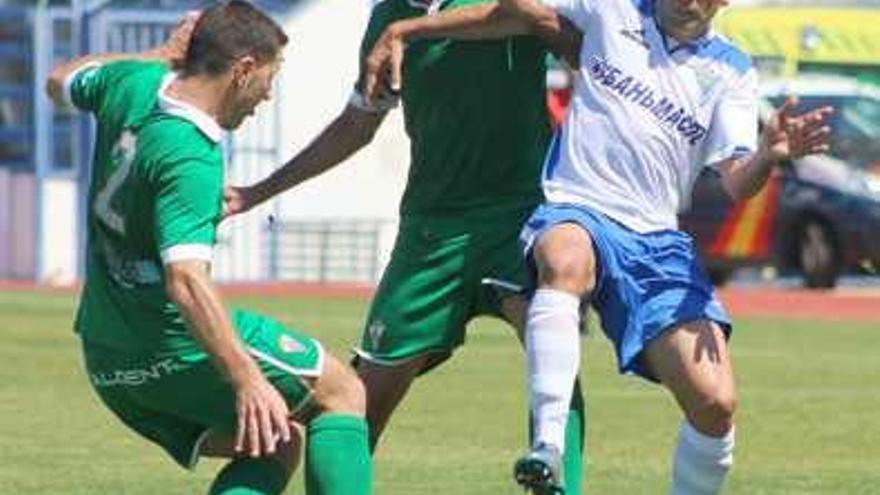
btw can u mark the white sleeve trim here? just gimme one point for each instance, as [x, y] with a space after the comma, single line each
[68, 81]
[383, 105]
[183, 252]
[728, 153]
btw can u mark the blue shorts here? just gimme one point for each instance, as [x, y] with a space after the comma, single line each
[645, 283]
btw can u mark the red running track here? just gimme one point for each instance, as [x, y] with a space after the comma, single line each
[860, 304]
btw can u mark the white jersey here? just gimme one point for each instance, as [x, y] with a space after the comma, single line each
[646, 114]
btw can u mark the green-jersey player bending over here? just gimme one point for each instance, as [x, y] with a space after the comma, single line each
[160, 348]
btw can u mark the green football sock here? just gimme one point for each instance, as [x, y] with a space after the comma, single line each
[250, 476]
[573, 457]
[338, 456]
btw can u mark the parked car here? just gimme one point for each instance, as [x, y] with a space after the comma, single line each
[818, 216]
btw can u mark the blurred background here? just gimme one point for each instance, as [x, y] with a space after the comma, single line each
[817, 223]
[807, 362]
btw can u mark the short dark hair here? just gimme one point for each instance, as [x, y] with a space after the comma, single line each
[227, 31]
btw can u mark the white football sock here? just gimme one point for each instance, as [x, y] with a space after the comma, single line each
[701, 462]
[553, 356]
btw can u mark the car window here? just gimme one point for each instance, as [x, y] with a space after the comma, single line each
[855, 127]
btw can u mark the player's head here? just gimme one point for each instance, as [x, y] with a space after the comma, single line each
[236, 43]
[688, 15]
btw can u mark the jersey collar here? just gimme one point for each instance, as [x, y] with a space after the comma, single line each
[693, 46]
[672, 45]
[200, 119]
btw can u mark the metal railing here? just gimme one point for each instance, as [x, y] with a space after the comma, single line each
[325, 250]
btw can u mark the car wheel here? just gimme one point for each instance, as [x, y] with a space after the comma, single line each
[817, 255]
[719, 276]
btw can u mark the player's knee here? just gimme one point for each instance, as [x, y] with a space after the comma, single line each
[714, 415]
[339, 389]
[565, 261]
[570, 272]
[566, 269]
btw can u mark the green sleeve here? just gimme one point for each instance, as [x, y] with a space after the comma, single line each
[89, 87]
[86, 86]
[188, 207]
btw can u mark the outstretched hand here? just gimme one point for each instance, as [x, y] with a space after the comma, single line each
[237, 200]
[382, 68]
[787, 136]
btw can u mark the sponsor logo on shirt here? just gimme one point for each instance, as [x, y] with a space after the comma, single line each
[706, 80]
[662, 108]
[637, 35]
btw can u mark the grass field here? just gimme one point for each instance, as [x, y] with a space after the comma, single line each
[809, 420]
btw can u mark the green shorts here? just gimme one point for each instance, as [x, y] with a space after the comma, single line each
[175, 398]
[432, 286]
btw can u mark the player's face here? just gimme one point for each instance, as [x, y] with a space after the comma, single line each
[690, 15]
[249, 88]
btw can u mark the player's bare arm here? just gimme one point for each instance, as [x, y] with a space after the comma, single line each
[261, 411]
[560, 34]
[472, 22]
[172, 51]
[352, 130]
[785, 137]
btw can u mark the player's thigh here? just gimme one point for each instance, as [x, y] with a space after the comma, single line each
[386, 386]
[557, 240]
[565, 259]
[694, 362]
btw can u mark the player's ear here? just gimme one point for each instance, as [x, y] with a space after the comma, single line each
[243, 71]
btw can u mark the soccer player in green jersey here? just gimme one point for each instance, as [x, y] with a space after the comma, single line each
[161, 349]
[476, 116]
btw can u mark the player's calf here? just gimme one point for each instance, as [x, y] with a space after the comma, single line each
[337, 449]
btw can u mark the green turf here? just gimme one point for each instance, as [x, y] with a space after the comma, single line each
[809, 420]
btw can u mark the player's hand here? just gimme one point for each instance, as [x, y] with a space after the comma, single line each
[787, 136]
[175, 47]
[382, 68]
[237, 200]
[262, 418]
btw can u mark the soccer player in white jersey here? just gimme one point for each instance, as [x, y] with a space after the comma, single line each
[659, 95]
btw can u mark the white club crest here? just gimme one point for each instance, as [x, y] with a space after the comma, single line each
[429, 6]
[376, 330]
[290, 345]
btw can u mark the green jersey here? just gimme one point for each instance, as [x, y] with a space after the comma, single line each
[155, 197]
[475, 114]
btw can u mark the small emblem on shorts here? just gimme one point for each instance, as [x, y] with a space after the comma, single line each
[430, 6]
[375, 331]
[290, 345]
